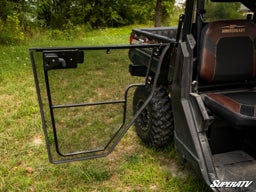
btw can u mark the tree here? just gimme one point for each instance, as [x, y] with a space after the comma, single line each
[163, 10]
[158, 13]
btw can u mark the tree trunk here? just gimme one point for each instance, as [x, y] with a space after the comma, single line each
[158, 13]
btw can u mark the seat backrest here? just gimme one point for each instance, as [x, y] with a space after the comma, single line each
[228, 51]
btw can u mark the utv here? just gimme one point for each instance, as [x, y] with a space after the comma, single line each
[199, 90]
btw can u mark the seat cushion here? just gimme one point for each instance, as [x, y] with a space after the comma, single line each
[238, 108]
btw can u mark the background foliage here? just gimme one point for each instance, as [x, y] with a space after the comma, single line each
[19, 17]
[25, 18]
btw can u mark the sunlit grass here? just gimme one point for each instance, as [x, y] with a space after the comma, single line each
[24, 162]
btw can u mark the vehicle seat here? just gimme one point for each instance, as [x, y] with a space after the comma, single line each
[228, 54]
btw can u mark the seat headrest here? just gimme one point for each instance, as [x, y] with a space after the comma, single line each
[228, 51]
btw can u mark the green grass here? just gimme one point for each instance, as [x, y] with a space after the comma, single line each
[24, 162]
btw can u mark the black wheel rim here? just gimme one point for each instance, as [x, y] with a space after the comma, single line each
[143, 118]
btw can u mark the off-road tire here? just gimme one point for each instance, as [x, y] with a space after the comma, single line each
[155, 124]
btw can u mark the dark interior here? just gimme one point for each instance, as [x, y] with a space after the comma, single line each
[224, 138]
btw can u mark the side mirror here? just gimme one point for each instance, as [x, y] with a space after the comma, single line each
[62, 59]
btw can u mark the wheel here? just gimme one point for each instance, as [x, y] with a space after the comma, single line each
[155, 124]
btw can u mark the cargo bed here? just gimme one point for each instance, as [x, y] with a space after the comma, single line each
[141, 58]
